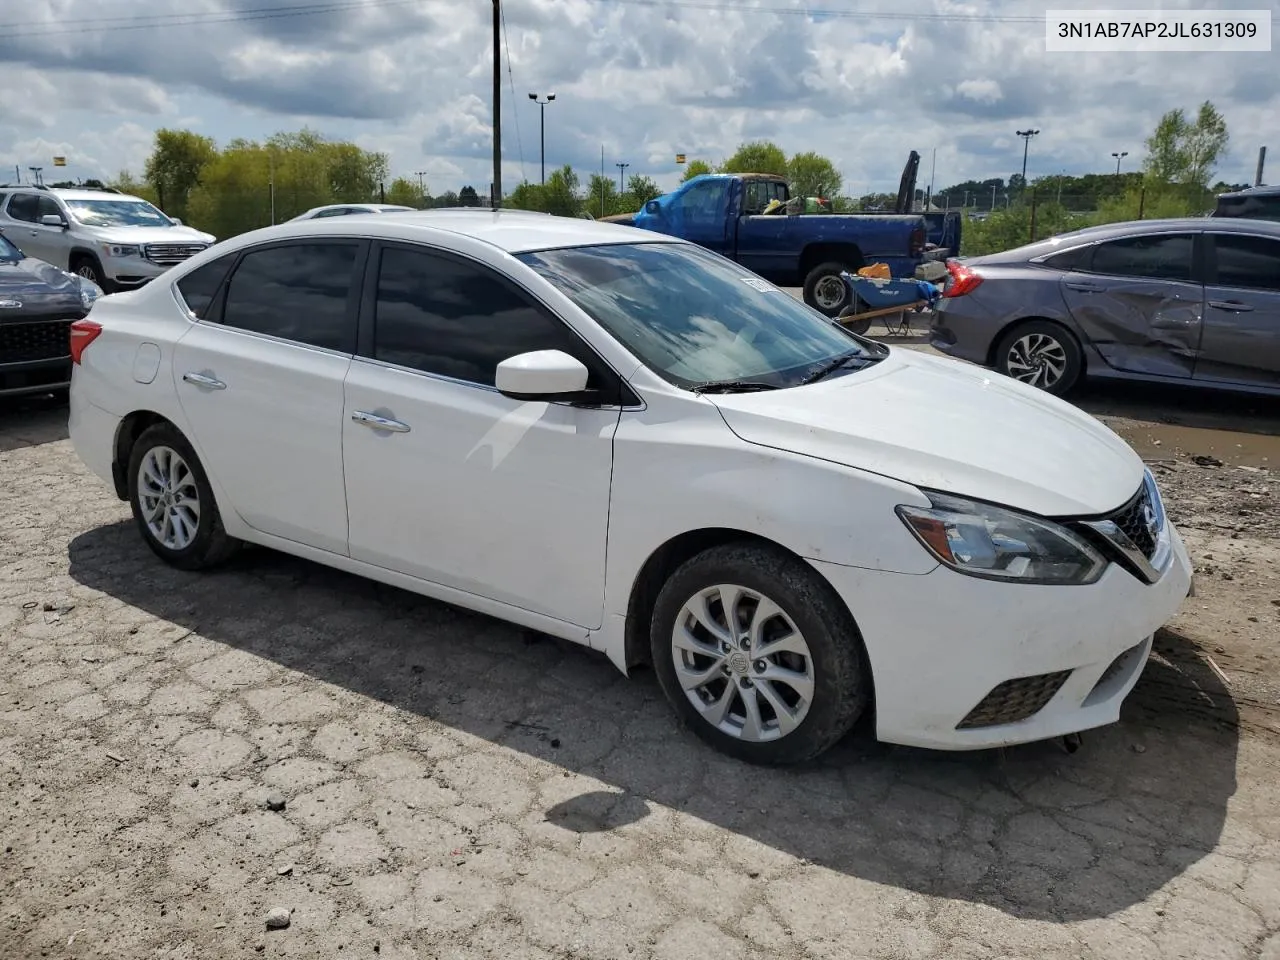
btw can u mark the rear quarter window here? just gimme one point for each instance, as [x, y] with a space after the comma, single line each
[1077, 259]
[199, 287]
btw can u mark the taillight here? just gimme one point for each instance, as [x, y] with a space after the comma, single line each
[962, 281]
[917, 241]
[83, 333]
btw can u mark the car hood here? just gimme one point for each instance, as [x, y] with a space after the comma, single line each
[949, 426]
[182, 234]
[34, 278]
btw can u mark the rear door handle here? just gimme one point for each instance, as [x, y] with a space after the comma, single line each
[375, 422]
[1235, 306]
[1082, 287]
[200, 380]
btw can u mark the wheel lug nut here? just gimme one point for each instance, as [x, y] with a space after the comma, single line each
[726, 647]
[761, 666]
[745, 683]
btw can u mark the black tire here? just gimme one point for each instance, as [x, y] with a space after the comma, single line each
[1051, 340]
[210, 546]
[87, 266]
[841, 680]
[821, 274]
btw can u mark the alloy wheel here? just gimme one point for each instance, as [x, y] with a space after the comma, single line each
[169, 498]
[742, 663]
[1037, 359]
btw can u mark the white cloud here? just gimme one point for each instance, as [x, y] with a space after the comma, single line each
[643, 80]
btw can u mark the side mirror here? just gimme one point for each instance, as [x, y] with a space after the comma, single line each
[541, 375]
[652, 207]
[177, 221]
[53, 220]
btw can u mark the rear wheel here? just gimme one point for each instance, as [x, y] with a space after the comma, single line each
[173, 503]
[1041, 354]
[758, 655]
[825, 290]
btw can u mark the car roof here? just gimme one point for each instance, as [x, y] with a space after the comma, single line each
[1125, 228]
[513, 231]
[1260, 191]
[68, 193]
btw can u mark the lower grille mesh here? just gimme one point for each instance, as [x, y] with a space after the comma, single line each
[1014, 700]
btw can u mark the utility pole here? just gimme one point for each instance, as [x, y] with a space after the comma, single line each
[496, 195]
[271, 182]
[993, 197]
[36, 178]
[622, 169]
[1120, 156]
[542, 118]
[602, 180]
[1262, 157]
[1026, 136]
[422, 183]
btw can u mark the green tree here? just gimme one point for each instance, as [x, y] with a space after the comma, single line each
[640, 190]
[696, 168]
[126, 182]
[178, 158]
[602, 198]
[446, 199]
[467, 197]
[758, 156]
[813, 175]
[1186, 152]
[407, 193]
[527, 196]
[561, 193]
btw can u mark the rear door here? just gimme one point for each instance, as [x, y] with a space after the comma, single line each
[1140, 302]
[1242, 311]
[25, 231]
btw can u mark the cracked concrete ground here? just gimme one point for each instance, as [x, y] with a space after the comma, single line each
[457, 789]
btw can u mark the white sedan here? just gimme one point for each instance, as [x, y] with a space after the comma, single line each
[622, 439]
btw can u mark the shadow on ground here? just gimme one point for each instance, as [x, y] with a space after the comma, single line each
[1033, 832]
[30, 421]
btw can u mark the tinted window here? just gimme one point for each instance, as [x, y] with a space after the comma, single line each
[199, 287]
[23, 207]
[297, 292]
[1248, 262]
[704, 205]
[456, 319]
[48, 207]
[1160, 258]
[1254, 206]
[1077, 259]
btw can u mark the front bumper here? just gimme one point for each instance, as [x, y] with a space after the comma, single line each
[131, 272]
[954, 657]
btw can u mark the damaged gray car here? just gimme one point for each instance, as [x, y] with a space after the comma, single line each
[1193, 301]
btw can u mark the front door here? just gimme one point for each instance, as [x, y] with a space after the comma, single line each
[260, 380]
[1140, 302]
[700, 214]
[31, 236]
[457, 484]
[1242, 311]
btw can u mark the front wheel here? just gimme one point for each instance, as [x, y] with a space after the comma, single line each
[173, 503]
[88, 267]
[1041, 354]
[758, 655]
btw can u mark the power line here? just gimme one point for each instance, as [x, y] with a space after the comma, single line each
[512, 79]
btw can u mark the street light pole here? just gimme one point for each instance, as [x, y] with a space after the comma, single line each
[542, 111]
[622, 169]
[1026, 136]
[1120, 156]
[495, 190]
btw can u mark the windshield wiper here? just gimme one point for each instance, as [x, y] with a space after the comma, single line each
[831, 366]
[732, 386]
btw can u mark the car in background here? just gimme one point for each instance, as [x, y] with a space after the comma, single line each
[116, 241]
[1257, 203]
[1193, 301]
[344, 209]
[627, 441]
[38, 303]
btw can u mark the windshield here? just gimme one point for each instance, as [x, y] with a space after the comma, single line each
[694, 317]
[117, 213]
[7, 250]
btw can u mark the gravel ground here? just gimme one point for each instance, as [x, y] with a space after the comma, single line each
[188, 760]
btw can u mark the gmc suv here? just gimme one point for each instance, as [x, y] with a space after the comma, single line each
[117, 241]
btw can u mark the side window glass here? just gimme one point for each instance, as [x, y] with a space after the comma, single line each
[22, 206]
[704, 205]
[1158, 258]
[48, 207]
[200, 286]
[1077, 259]
[296, 292]
[754, 197]
[1250, 262]
[456, 319]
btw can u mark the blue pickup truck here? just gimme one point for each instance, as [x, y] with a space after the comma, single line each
[725, 213]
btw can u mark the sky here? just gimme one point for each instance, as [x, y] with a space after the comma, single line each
[862, 83]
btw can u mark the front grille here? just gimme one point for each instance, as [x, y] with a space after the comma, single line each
[40, 340]
[1132, 519]
[1014, 700]
[168, 254]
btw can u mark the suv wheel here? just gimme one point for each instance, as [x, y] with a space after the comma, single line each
[758, 655]
[86, 266]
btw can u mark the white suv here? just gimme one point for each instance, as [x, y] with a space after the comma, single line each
[117, 241]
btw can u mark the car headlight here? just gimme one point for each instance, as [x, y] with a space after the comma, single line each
[121, 250]
[997, 544]
[89, 292]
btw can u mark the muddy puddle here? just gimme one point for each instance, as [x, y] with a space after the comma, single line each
[1154, 441]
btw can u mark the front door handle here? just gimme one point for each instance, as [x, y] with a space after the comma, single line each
[1235, 306]
[1082, 287]
[375, 422]
[200, 380]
